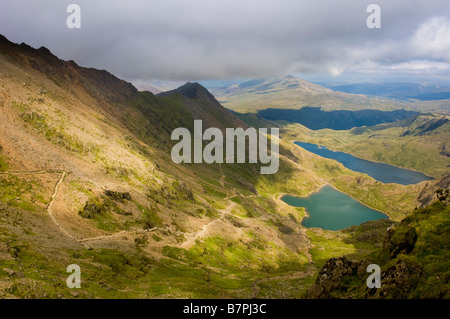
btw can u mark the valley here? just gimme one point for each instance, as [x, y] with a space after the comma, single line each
[417, 143]
[86, 178]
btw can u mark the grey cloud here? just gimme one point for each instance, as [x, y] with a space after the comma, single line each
[214, 39]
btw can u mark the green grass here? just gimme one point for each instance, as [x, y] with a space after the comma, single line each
[19, 192]
[3, 164]
[216, 267]
[248, 254]
[82, 187]
[56, 135]
[105, 211]
[150, 217]
[328, 246]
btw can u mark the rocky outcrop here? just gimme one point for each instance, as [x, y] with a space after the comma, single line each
[428, 193]
[413, 260]
[400, 242]
[397, 281]
[333, 273]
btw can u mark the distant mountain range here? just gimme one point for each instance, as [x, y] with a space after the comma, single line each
[295, 93]
[393, 90]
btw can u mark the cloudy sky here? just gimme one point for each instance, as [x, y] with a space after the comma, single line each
[221, 39]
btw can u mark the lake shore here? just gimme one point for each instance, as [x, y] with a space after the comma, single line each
[364, 159]
[307, 214]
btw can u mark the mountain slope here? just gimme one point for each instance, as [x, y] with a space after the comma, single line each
[86, 178]
[208, 108]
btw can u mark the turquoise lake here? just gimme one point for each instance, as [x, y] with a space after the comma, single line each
[382, 172]
[332, 210]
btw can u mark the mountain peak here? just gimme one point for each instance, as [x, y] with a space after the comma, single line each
[203, 104]
[194, 90]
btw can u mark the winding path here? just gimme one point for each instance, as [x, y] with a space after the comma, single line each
[82, 241]
[50, 210]
[191, 240]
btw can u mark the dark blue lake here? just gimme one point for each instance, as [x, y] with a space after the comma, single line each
[382, 172]
[333, 210]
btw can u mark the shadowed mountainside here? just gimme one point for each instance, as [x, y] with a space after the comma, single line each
[316, 119]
